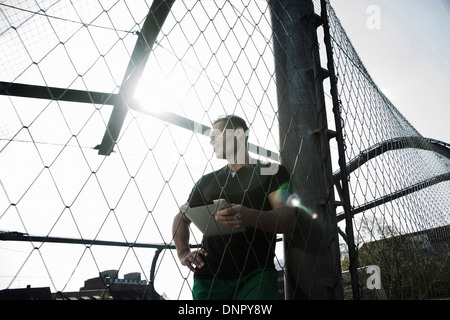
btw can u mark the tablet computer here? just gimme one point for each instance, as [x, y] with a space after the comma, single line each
[202, 215]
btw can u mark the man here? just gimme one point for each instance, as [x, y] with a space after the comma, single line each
[239, 265]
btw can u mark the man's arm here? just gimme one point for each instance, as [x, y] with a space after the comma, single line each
[281, 219]
[180, 231]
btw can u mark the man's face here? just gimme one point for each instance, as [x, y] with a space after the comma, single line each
[218, 140]
[225, 142]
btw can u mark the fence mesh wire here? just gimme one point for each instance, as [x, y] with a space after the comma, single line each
[79, 214]
[398, 186]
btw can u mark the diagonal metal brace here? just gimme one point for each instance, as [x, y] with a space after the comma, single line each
[144, 44]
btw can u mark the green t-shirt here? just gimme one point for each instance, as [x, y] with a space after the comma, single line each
[237, 254]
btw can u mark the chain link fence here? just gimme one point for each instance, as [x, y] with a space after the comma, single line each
[398, 183]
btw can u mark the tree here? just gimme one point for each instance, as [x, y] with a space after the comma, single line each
[411, 266]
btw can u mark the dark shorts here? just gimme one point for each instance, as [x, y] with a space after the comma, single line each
[257, 285]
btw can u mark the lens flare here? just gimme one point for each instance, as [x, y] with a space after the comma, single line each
[285, 195]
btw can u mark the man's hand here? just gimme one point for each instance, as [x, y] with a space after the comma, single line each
[235, 216]
[193, 259]
[281, 219]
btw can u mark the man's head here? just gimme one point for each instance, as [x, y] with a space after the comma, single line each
[230, 128]
[232, 122]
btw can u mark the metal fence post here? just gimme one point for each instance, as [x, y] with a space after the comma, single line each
[312, 268]
[342, 161]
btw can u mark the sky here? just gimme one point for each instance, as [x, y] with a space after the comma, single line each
[404, 45]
